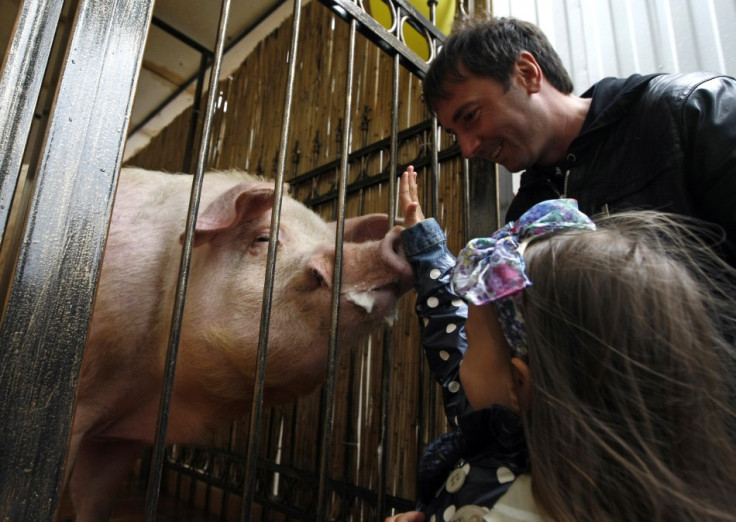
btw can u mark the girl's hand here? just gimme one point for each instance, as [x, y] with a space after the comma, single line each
[411, 516]
[410, 200]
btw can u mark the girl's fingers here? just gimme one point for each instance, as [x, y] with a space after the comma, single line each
[409, 197]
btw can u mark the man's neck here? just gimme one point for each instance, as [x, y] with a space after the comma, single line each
[570, 113]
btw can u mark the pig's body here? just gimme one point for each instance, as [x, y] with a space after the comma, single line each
[119, 390]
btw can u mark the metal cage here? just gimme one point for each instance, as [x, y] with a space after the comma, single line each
[51, 259]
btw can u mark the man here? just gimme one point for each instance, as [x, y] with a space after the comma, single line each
[661, 141]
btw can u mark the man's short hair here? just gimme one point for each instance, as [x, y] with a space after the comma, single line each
[489, 47]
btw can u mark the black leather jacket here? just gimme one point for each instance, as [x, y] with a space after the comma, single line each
[665, 142]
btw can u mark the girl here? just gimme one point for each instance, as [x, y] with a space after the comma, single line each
[606, 340]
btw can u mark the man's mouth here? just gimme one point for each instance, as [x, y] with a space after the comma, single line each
[495, 153]
[491, 152]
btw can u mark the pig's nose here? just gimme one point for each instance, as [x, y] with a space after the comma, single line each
[392, 253]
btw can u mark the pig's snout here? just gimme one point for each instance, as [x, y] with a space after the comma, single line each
[375, 273]
[392, 254]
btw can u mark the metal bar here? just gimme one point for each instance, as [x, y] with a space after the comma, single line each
[387, 348]
[465, 184]
[22, 75]
[45, 326]
[480, 176]
[154, 482]
[376, 33]
[259, 377]
[465, 178]
[434, 147]
[329, 386]
[434, 171]
[194, 118]
[434, 168]
[466, 175]
[394, 154]
[504, 192]
[351, 446]
[176, 33]
[434, 177]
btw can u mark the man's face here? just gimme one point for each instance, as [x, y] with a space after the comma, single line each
[492, 123]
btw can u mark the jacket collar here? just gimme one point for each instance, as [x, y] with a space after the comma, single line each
[611, 99]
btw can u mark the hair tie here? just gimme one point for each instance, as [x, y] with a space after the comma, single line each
[491, 269]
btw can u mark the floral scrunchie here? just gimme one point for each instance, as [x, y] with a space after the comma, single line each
[492, 269]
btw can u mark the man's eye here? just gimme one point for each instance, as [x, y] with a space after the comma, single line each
[262, 239]
[470, 115]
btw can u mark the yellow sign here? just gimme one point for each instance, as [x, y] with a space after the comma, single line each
[444, 16]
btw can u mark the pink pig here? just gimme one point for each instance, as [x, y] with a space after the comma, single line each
[119, 389]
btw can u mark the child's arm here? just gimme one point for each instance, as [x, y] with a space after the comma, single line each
[442, 313]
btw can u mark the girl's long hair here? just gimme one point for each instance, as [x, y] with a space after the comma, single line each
[630, 331]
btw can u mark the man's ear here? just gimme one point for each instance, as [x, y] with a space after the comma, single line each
[530, 73]
[522, 383]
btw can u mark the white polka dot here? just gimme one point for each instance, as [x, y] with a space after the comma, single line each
[455, 481]
[435, 273]
[432, 302]
[451, 328]
[504, 475]
[426, 321]
[457, 302]
[433, 518]
[470, 513]
[454, 386]
[449, 512]
[444, 355]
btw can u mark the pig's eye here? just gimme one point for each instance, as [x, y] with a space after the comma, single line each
[264, 236]
[318, 278]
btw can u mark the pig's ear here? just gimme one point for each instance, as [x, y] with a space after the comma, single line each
[366, 228]
[241, 203]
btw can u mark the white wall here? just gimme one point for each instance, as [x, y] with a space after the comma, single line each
[599, 38]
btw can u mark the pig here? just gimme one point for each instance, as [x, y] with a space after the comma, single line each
[122, 371]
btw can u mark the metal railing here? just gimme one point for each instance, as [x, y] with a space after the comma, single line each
[54, 261]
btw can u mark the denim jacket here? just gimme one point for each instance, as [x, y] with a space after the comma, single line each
[441, 312]
[470, 468]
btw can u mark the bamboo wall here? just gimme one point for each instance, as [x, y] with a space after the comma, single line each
[245, 135]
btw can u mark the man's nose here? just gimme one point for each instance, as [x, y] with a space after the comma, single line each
[468, 145]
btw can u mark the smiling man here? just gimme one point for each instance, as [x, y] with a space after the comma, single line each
[660, 141]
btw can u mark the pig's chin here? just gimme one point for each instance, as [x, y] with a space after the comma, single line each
[379, 302]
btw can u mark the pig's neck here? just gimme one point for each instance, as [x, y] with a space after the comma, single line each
[192, 419]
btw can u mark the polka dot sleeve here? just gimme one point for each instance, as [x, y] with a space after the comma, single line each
[442, 314]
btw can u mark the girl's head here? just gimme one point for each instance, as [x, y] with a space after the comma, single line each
[492, 270]
[627, 408]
